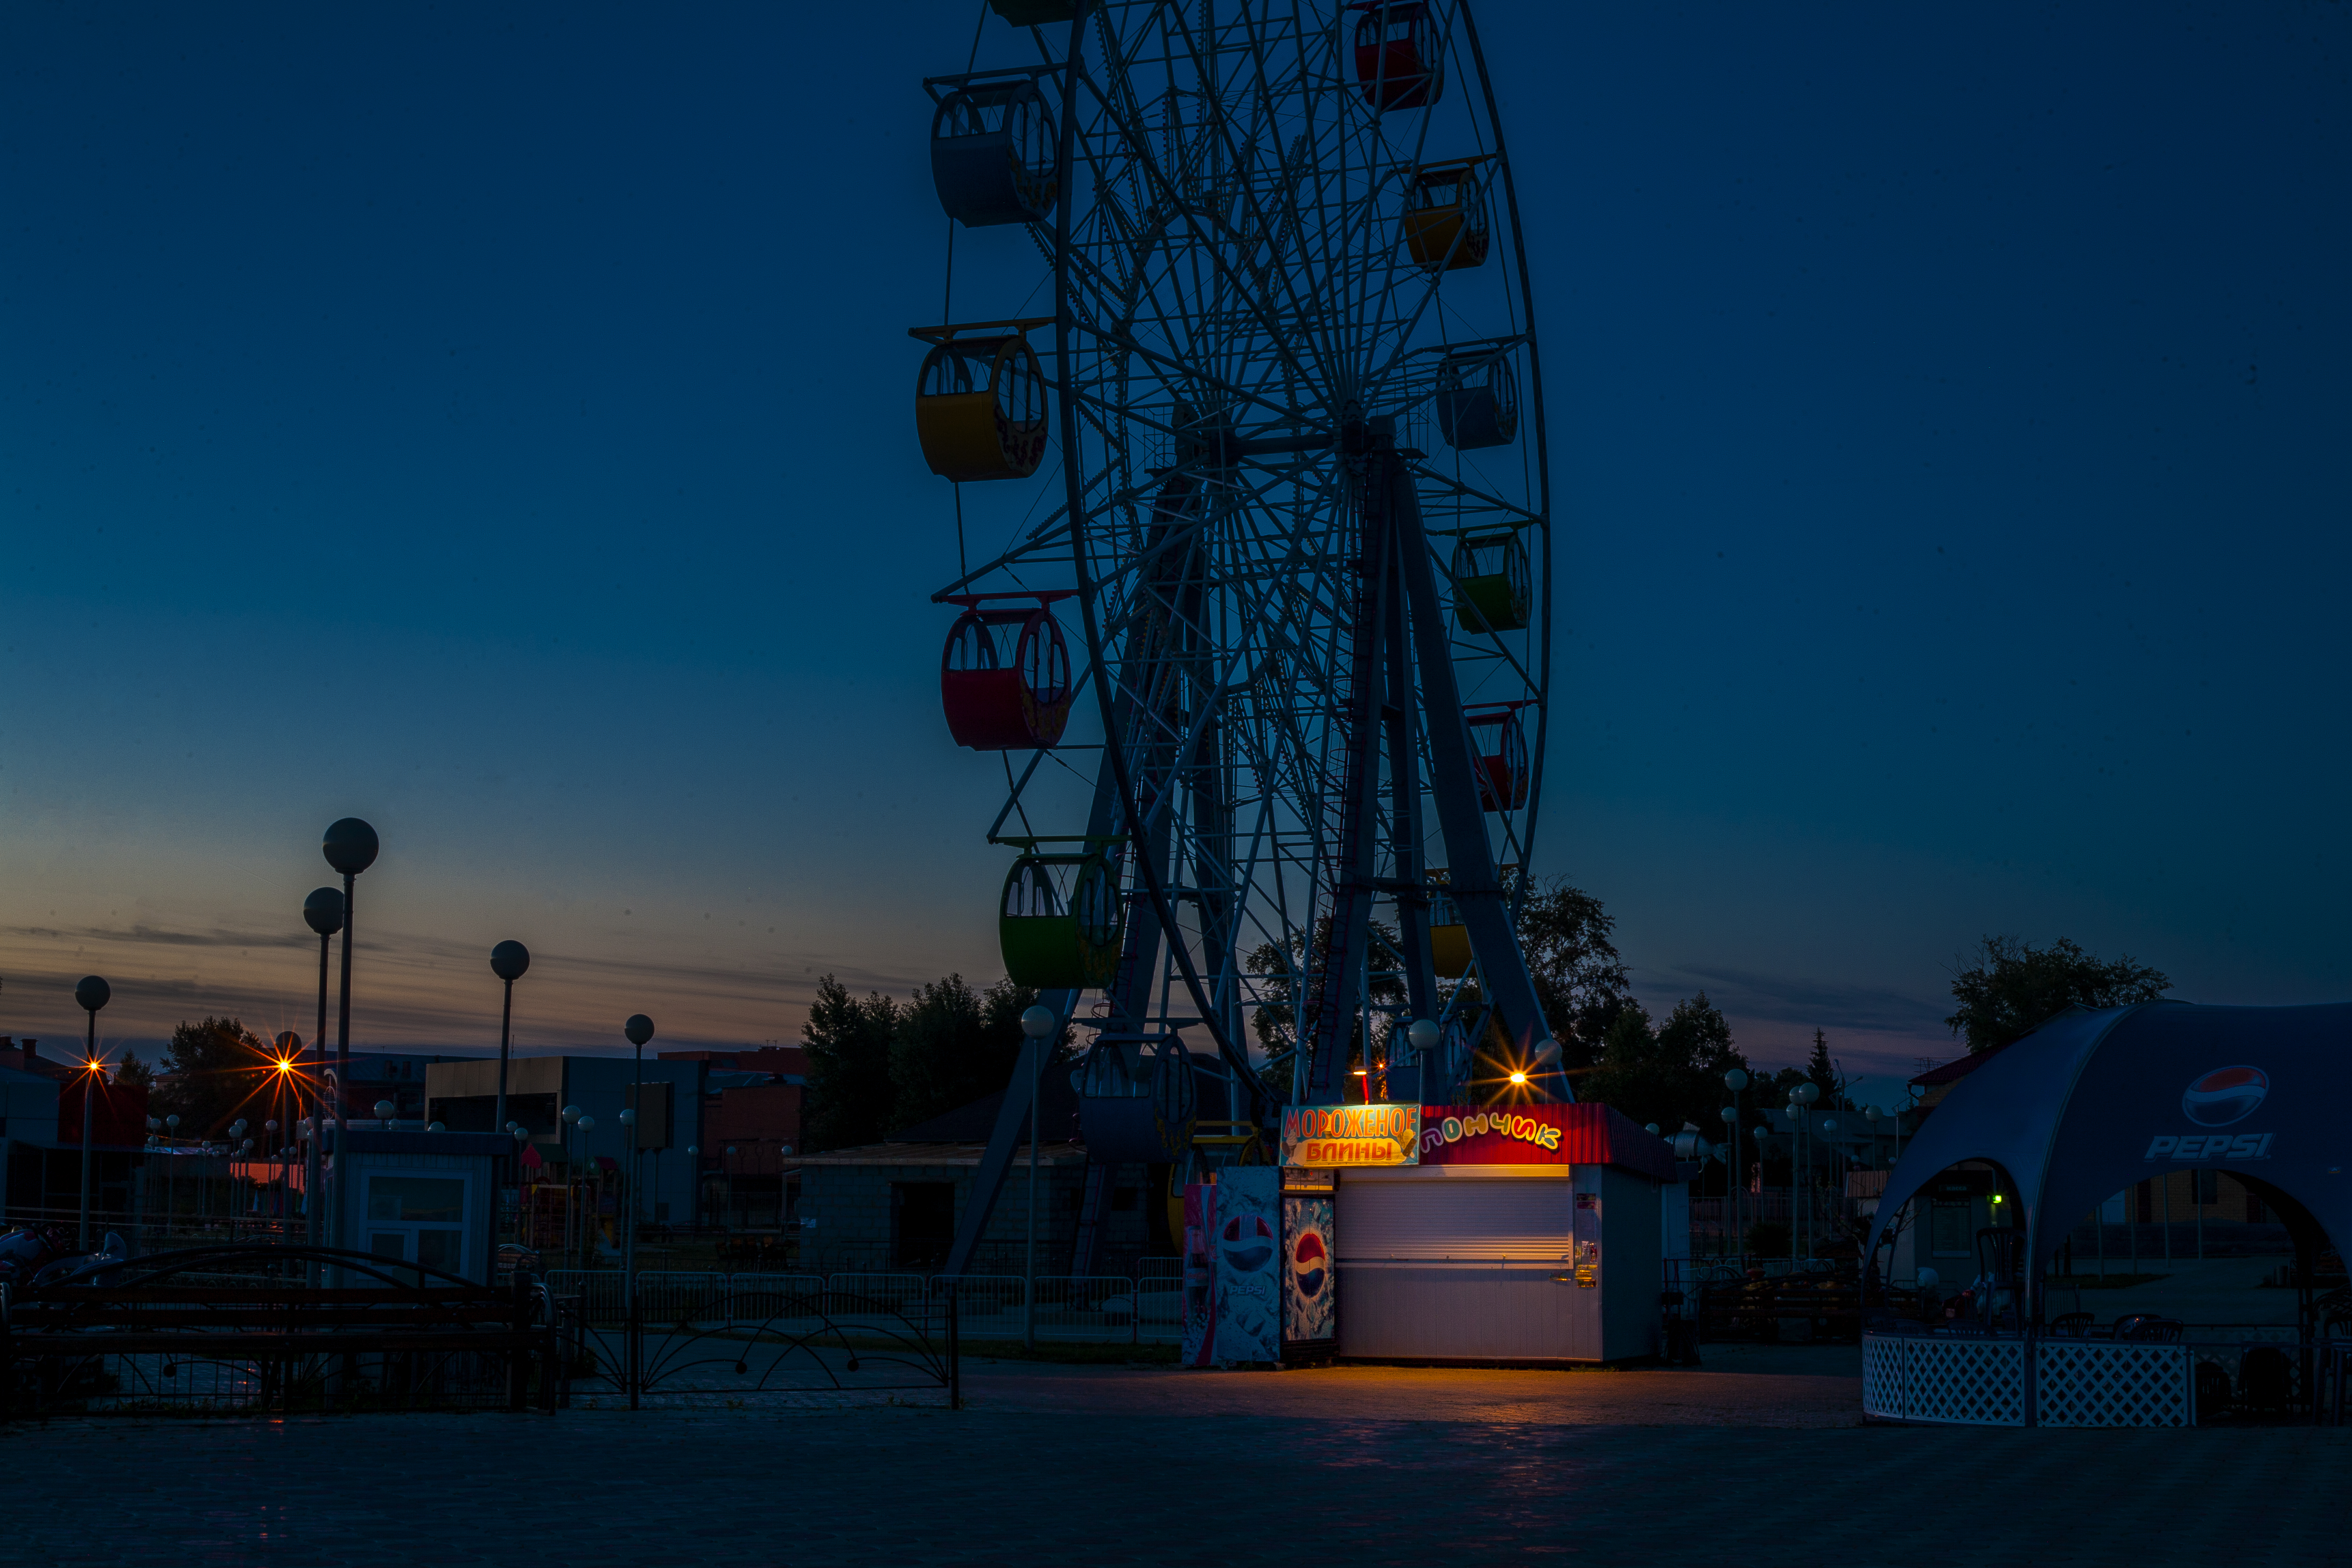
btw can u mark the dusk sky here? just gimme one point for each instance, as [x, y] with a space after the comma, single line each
[494, 422]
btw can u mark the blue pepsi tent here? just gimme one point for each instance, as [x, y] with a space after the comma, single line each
[2092, 1102]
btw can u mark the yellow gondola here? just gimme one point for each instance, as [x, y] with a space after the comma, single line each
[979, 402]
[1449, 939]
[1446, 228]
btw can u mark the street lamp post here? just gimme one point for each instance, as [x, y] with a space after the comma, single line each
[589, 1245]
[1036, 1023]
[727, 1185]
[570, 1114]
[1421, 1035]
[287, 1093]
[1801, 1101]
[349, 845]
[508, 961]
[1735, 1080]
[638, 1029]
[1830, 1158]
[171, 1175]
[236, 1135]
[92, 993]
[1796, 1114]
[323, 911]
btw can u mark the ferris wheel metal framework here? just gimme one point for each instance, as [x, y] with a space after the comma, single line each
[1274, 245]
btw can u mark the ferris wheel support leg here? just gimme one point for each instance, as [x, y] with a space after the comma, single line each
[1471, 880]
[1335, 975]
[1417, 1083]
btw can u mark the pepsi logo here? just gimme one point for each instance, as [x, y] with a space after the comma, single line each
[2225, 1095]
[1310, 1264]
[1248, 1243]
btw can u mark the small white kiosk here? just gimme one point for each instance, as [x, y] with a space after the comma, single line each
[423, 1197]
[1490, 1233]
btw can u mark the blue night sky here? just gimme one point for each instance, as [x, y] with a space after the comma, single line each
[494, 422]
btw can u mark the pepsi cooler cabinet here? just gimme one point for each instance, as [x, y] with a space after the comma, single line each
[1260, 1276]
[1310, 1267]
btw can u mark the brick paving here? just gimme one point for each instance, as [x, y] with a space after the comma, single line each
[1117, 1466]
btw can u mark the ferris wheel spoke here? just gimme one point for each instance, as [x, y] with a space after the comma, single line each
[1168, 194]
[1426, 473]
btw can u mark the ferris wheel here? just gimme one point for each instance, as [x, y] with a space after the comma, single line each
[1265, 640]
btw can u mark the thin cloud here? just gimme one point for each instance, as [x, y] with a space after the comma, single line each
[1822, 1003]
[155, 936]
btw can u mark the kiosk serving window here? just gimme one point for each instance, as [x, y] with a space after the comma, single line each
[417, 1219]
[1528, 1220]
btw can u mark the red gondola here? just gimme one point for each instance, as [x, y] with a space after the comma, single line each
[1005, 690]
[1399, 60]
[1502, 748]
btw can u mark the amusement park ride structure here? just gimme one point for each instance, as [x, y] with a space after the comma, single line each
[1287, 770]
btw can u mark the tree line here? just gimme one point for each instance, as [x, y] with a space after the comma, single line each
[878, 1065]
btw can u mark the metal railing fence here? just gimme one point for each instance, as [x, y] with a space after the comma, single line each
[1102, 1309]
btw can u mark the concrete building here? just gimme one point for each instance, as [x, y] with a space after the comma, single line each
[892, 1207]
[463, 1097]
[375, 1076]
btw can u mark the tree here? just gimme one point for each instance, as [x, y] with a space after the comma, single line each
[849, 1087]
[1276, 1021]
[1564, 936]
[1580, 980]
[951, 1045]
[1821, 1072]
[2007, 988]
[133, 1071]
[214, 1072]
[1670, 1074]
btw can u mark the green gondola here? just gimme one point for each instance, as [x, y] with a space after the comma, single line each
[1491, 583]
[1058, 921]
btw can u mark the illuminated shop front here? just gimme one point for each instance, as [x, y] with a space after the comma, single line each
[1437, 1233]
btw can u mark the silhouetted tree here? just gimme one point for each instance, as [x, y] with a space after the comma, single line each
[1580, 980]
[1669, 1074]
[953, 1045]
[214, 1072]
[850, 1091]
[1821, 1072]
[2006, 987]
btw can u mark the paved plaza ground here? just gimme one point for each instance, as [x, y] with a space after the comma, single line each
[1757, 1458]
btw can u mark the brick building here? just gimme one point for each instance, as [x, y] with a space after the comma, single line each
[751, 1110]
[40, 1136]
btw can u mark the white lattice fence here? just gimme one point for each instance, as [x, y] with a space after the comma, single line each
[1881, 1375]
[2102, 1382]
[1964, 1381]
[678, 1296]
[880, 1300]
[784, 1303]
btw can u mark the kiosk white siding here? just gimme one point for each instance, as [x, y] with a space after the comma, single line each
[1439, 1264]
[1634, 1253]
